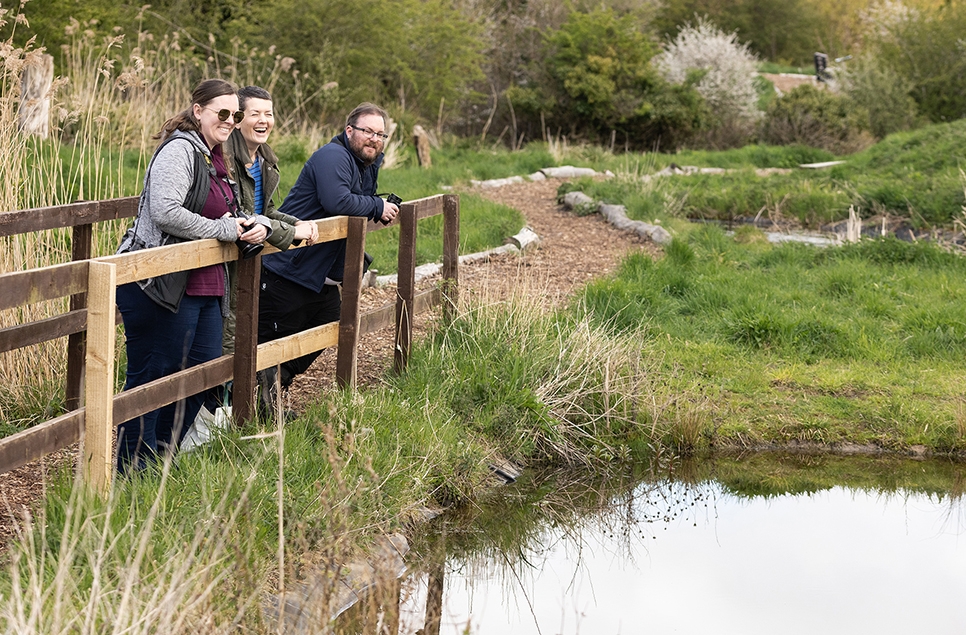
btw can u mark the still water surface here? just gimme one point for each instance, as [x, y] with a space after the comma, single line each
[696, 558]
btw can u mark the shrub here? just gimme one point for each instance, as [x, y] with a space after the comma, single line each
[817, 118]
[883, 93]
[727, 73]
[601, 79]
[924, 47]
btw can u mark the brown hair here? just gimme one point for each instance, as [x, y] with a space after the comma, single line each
[366, 108]
[202, 95]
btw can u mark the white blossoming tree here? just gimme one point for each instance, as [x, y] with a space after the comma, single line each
[726, 69]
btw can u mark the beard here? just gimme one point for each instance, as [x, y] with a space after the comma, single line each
[366, 150]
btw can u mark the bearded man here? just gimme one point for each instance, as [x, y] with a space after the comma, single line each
[300, 288]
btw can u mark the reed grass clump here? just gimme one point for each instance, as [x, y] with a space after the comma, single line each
[538, 386]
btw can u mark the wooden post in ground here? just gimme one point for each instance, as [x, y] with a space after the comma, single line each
[421, 139]
[34, 113]
[98, 455]
[80, 247]
[451, 255]
[246, 339]
[347, 356]
[406, 285]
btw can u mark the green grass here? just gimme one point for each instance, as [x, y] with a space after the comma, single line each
[862, 343]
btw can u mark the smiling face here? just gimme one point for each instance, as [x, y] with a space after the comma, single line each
[213, 129]
[258, 123]
[367, 149]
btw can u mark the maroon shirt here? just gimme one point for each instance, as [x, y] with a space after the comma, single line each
[210, 280]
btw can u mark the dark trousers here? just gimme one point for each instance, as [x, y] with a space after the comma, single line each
[286, 308]
[158, 343]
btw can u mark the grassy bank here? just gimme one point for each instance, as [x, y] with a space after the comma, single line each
[770, 344]
[203, 539]
[914, 175]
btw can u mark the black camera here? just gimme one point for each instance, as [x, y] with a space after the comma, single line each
[247, 250]
[395, 200]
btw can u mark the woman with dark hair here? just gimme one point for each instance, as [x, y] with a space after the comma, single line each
[255, 167]
[174, 321]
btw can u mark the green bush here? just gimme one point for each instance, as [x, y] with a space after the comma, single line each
[601, 79]
[817, 118]
[883, 93]
[923, 47]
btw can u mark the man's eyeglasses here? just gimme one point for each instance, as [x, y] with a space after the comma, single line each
[224, 114]
[369, 134]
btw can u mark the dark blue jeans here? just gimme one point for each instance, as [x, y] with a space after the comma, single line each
[159, 343]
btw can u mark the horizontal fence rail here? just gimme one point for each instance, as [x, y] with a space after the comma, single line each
[92, 319]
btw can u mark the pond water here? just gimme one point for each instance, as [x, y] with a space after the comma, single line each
[776, 550]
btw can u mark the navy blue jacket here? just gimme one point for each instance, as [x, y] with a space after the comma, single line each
[333, 182]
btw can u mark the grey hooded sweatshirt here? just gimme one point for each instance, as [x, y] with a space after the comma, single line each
[166, 184]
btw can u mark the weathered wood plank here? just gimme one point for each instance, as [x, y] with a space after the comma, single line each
[451, 256]
[405, 285]
[143, 399]
[47, 283]
[427, 207]
[98, 465]
[81, 246]
[83, 213]
[15, 337]
[377, 319]
[347, 357]
[148, 263]
[40, 440]
[246, 339]
[157, 261]
[284, 348]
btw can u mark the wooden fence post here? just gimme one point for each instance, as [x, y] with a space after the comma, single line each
[421, 140]
[80, 247]
[248, 272]
[451, 255]
[347, 356]
[98, 467]
[406, 285]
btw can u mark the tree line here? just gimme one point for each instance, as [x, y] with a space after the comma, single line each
[518, 70]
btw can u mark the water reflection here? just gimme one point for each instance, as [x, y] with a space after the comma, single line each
[712, 548]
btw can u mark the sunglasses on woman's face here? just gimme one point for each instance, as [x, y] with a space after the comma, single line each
[224, 114]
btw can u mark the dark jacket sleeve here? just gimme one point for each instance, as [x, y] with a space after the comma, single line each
[339, 185]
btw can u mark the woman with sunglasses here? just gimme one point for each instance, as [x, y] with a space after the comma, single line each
[175, 321]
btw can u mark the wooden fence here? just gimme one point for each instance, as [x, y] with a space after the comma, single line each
[90, 323]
